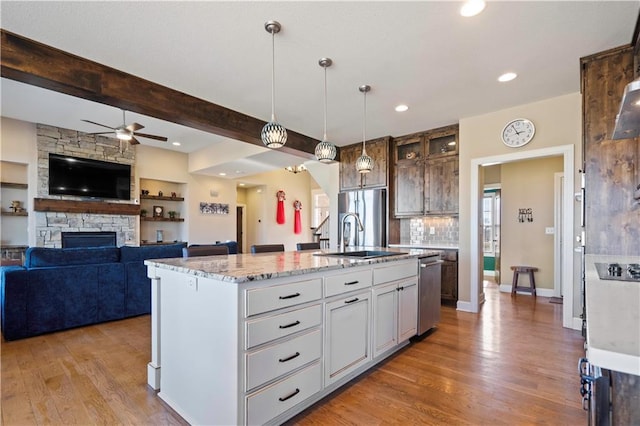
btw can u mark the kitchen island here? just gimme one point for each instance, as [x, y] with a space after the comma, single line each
[257, 338]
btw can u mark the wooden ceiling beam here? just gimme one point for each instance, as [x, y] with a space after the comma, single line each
[37, 64]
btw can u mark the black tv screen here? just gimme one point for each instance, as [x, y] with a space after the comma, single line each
[88, 178]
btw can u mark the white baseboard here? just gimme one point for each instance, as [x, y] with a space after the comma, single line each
[489, 273]
[543, 292]
[577, 323]
[464, 306]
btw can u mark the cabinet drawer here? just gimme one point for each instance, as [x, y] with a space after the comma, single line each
[269, 363]
[396, 271]
[281, 296]
[268, 403]
[347, 281]
[271, 328]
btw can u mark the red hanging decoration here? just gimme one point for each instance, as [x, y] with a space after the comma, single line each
[280, 210]
[297, 223]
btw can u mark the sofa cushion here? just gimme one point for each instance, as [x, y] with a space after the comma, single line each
[42, 257]
[134, 254]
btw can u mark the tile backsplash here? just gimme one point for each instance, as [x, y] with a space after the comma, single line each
[430, 230]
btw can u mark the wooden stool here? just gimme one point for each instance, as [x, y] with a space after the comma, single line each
[517, 270]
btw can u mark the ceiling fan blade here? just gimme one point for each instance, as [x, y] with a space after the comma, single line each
[98, 124]
[100, 133]
[134, 126]
[158, 138]
[134, 141]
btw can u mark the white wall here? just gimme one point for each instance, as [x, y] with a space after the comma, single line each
[262, 204]
[172, 166]
[18, 145]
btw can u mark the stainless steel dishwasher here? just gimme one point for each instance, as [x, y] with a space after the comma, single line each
[429, 293]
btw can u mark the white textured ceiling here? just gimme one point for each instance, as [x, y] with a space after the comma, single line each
[423, 54]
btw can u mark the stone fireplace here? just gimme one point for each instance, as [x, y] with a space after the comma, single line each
[51, 224]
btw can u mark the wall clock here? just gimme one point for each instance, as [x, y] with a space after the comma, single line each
[518, 132]
[158, 211]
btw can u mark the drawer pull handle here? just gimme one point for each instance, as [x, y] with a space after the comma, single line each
[352, 282]
[293, 324]
[291, 395]
[291, 296]
[355, 299]
[289, 358]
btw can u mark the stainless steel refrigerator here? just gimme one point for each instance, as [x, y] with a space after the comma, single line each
[371, 207]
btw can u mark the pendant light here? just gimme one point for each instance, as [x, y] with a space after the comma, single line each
[274, 135]
[364, 163]
[325, 150]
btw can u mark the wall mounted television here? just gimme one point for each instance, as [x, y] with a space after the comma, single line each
[88, 178]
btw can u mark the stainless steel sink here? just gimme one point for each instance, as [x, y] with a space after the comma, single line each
[362, 254]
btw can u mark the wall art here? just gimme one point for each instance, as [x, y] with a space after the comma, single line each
[214, 208]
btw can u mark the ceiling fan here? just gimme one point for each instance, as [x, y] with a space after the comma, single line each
[127, 132]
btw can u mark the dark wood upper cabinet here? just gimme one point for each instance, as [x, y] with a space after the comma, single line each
[612, 174]
[350, 178]
[426, 173]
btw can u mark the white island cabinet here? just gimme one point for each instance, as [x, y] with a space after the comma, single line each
[257, 338]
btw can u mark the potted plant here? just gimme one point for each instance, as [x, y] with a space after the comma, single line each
[143, 213]
[172, 214]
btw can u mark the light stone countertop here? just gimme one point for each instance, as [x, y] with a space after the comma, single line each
[240, 268]
[613, 318]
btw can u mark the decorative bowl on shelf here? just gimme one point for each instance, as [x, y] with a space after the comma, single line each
[410, 155]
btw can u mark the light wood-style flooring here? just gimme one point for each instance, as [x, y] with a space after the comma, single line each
[512, 364]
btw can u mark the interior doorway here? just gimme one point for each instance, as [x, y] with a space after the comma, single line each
[240, 227]
[475, 254]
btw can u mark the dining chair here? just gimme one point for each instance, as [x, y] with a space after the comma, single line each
[266, 248]
[204, 250]
[308, 246]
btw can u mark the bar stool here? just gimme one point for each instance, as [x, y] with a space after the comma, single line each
[517, 270]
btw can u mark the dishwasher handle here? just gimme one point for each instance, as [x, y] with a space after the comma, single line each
[430, 263]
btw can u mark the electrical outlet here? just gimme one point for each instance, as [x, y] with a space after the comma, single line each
[432, 230]
[549, 230]
[192, 283]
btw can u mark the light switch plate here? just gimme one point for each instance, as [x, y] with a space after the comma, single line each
[432, 230]
[549, 230]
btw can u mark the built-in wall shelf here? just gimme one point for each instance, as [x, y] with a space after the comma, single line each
[13, 185]
[23, 213]
[161, 219]
[90, 207]
[163, 198]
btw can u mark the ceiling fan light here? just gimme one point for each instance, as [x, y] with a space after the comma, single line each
[325, 152]
[273, 135]
[123, 135]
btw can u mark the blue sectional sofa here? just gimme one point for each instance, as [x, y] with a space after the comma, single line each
[58, 289]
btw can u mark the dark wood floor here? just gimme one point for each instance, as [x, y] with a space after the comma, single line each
[512, 364]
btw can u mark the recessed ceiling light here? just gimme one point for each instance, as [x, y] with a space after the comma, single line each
[507, 77]
[241, 184]
[401, 108]
[176, 143]
[222, 174]
[239, 171]
[472, 8]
